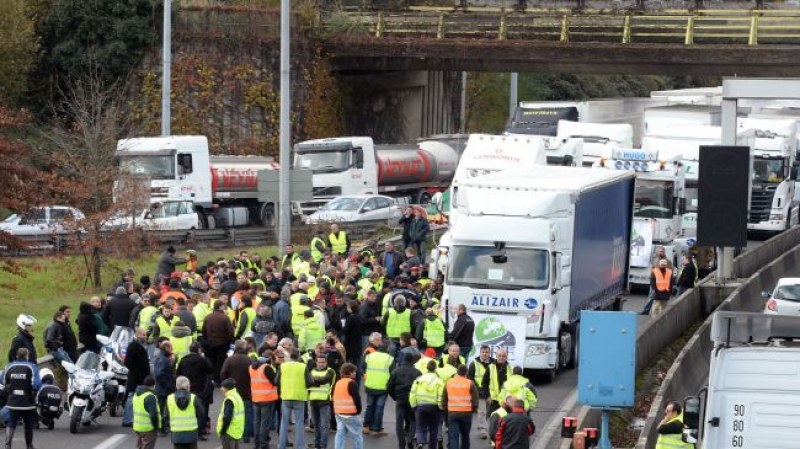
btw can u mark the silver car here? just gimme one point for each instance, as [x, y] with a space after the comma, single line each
[44, 220]
[352, 208]
[785, 299]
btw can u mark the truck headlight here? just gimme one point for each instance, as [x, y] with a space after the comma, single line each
[777, 217]
[536, 349]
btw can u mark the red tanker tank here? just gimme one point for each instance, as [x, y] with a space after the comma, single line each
[431, 162]
[238, 173]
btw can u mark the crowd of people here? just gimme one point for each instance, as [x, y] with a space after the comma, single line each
[292, 342]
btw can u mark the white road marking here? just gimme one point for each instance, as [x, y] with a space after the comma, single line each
[111, 441]
[554, 423]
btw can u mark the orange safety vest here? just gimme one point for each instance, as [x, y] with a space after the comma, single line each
[662, 280]
[342, 401]
[261, 389]
[459, 396]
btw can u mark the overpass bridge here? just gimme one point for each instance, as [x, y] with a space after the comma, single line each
[602, 41]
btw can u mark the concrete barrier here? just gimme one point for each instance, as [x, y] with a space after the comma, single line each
[689, 371]
[751, 261]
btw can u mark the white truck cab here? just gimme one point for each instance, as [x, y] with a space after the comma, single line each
[753, 395]
[599, 139]
[658, 207]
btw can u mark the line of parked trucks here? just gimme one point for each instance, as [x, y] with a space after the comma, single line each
[577, 194]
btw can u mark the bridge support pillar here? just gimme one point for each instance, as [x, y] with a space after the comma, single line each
[401, 106]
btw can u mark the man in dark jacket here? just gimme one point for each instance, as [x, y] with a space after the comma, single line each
[70, 340]
[181, 400]
[54, 337]
[391, 259]
[399, 387]
[185, 315]
[419, 233]
[218, 333]
[165, 377]
[688, 275]
[166, 265]
[237, 367]
[23, 339]
[515, 429]
[198, 369]
[138, 365]
[463, 330]
[88, 328]
[406, 220]
[117, 311]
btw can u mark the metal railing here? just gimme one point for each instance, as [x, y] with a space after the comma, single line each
[746, 27]
[205, 238]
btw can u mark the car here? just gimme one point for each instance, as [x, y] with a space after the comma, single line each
[785, 299]
[42, 220]
[353, 208]
[166, 216]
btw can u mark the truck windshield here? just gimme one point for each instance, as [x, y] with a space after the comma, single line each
[474, 266]
[323, 161]
[156, 167]
[768, 170]
[653, 199]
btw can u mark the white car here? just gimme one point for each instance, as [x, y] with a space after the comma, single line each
[357, 208]
[785, 299]
[42, 220]
[167, 216]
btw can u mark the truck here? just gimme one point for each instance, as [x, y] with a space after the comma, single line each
[599, 139]
[751, 399]
[559, 243]
[658, 208]
[542, 117]
[709, 96]
[773, 207]
[356, 166]
[222, 189]
[656, 119]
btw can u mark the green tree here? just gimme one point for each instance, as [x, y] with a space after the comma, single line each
[18, 46]
[82, 38]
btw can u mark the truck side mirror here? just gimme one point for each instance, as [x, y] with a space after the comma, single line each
[691, 418]
[185, 163]
[557, 279]
[680, 206]
[793, 172]
[358, 158]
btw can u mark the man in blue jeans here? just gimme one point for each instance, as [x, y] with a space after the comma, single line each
[460, 399]
[294, 394]
[378, 368]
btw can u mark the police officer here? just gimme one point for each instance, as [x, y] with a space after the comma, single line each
[184, 412]
[49, 399]
[230, 423]
[21, 381]
[146, 414]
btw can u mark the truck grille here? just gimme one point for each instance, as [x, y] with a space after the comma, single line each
[159, 192]
[326, 191]
[761, 203]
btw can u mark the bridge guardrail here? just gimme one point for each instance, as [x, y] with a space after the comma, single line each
[750, 27]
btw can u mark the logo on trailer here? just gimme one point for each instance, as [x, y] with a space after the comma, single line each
[531, 303]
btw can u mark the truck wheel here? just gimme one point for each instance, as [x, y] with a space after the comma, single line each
[202, 219]
[267, 215]
[573, 358]
[565, 354]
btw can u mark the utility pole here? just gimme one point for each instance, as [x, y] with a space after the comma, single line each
[512, 97]
[166, 61]
[284, 218]
[463, 112]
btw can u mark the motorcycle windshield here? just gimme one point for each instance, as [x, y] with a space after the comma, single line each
[120, 339]
[88, 360]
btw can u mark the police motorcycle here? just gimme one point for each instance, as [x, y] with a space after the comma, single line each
[88, 388]
[49, 400]
[112, 355]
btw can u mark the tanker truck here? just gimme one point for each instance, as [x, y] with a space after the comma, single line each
[223, 189]
[356, 166]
